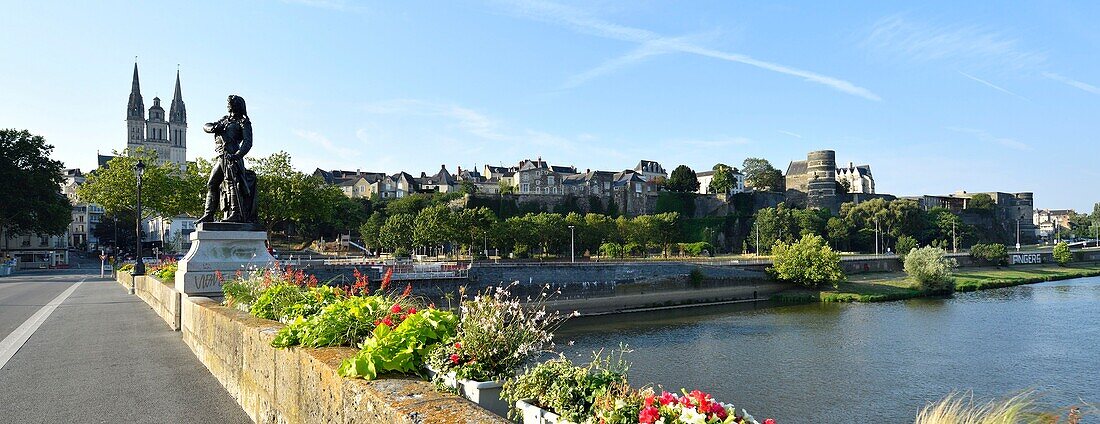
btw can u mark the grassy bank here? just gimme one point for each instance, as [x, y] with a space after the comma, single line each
[882, 287]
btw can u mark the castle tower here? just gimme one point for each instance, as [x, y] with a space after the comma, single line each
[177, 126]
[135, 115]
[821, 186]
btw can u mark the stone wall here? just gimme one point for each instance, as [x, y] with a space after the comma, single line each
[301, 385]
[161, 296]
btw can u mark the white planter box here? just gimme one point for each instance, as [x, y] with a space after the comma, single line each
[531, 414]
[485, 394]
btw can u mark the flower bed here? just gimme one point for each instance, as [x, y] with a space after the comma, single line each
[476, 352]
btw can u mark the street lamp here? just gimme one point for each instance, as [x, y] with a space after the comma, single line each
[572, 250]
[139, 266]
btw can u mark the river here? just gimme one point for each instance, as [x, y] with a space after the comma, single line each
[877, 362]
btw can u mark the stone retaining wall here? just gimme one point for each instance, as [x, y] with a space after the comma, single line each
[301, 385]
[125, 279]
[161, 296]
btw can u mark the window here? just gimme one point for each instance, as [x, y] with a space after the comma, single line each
[637, 188]
[523, 188]
[550, 180]
[44, 240]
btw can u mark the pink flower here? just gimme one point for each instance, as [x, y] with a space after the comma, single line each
[649, 401]
[667, 398]
[769, 421]
[648, 415]
[454, 358]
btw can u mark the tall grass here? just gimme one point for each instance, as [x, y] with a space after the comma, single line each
[958, 408]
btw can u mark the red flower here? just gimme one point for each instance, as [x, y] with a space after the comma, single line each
[648, 415]
[454, 358]
[395, 309]
[412, 311]
[649, 401]
[387, 321]
[458, 345]
[408, 290]
[769, 421]
[719, 411]
[668, 398]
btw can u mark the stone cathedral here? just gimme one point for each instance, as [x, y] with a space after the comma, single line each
[167, 137]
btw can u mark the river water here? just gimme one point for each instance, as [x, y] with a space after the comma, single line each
[876, 363]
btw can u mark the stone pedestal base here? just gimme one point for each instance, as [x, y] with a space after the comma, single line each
[224, 251]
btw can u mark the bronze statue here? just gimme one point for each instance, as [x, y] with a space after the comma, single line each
[231, 185]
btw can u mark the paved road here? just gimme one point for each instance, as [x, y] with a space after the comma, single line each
[100, 356]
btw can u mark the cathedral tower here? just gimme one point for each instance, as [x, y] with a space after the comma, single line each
[177, 125]
[135, 115]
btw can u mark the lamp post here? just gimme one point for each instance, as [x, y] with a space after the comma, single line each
[1017, 234]
[139, 266]
[572, 250]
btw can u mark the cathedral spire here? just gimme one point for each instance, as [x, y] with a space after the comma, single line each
[136, 107]
[177, 112]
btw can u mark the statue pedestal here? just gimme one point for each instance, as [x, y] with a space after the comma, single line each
[223, 248]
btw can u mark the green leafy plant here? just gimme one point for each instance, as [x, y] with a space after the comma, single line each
[346, 322]
[400, 349]
[165, 270]
[496, 334]
[1062, 255]
[992, 253]
[808, 262]
[567, 389]
[931, 269]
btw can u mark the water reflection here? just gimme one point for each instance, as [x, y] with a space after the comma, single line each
[873, 362]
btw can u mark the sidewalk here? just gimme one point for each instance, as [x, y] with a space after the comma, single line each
[104, 357]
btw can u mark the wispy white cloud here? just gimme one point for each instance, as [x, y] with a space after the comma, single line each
[1072, 82]
[989, 138]
[789, 133]
[465, 119]
[639, 54]
[583, 23]
[990, 85]
[326, 144]
[900, 37]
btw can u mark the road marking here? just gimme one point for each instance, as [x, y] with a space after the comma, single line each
[15, 340]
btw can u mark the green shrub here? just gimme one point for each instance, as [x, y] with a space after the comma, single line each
[992, 253]
[1062, 255]
[633, 249]
[612, 249]
[401, 253]
[275, 301]
[566, 389]
[905, 245]
[931, 269]
[808, 262]
[701, 248]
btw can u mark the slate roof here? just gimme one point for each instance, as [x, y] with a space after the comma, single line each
[797, 167]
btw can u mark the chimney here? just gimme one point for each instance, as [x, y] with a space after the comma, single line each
[443, 166]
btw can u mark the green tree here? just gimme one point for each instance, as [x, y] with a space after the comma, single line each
[467, 187]
[164, 191]
[1062, 255]
[992, 253]
[982, 202]
[931, 269]
[811, 221]
[473, 227]
[370, 230]
[506, 188]
[775, 224]
[723, 180]
[597, 229]
[838, 231]
[808, 262]
[905, 245]
[397, 232]
[291, 200]
[434, 226]
[683, 180]
[761, 175]
[551, 231]
[32, 201]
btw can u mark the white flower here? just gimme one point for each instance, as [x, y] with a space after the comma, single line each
[691, 416]
[619, 404]
[659, 421]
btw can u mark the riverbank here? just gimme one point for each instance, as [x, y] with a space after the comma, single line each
[888, 286]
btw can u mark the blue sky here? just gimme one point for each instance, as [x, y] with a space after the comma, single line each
[935, 96]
